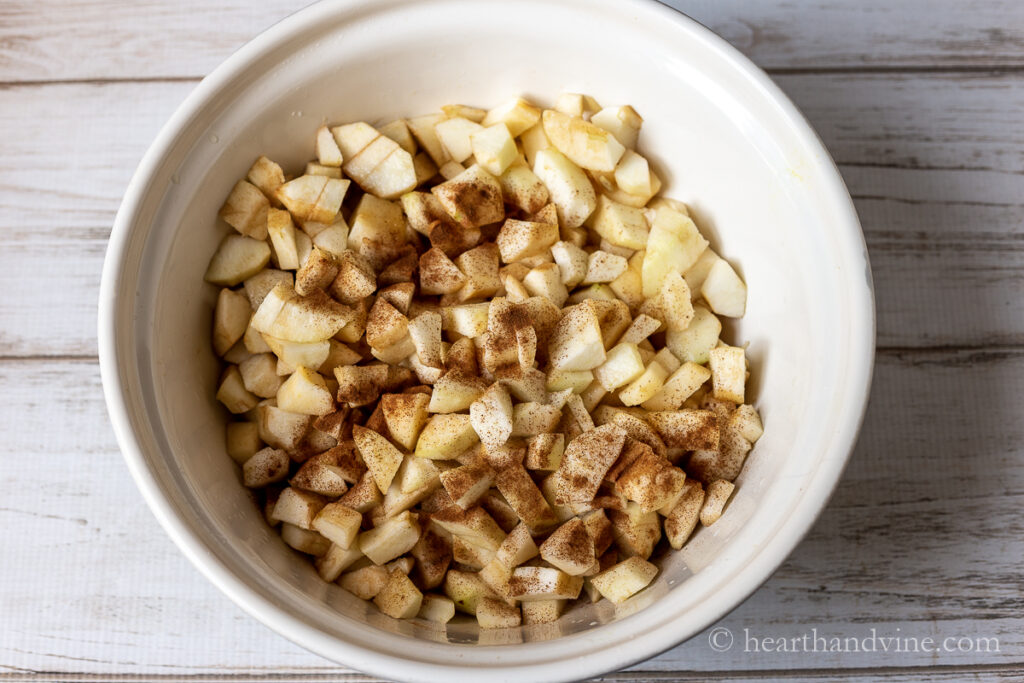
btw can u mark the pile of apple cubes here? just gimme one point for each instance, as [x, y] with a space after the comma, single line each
[491, 394]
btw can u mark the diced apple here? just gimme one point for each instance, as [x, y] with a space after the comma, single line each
[455, 133]
[728, 372]
[381, 457]
[604, 267]
[724, 290]
[259, 375]
[233, 394]
[398, 131]
[445, 437]
[633, 175]
[422, 128]
[491, 416]
[572, 262]
[546, 281]
[305, 392]
[265, 467]
[584, 143]
[281, 428]
[399, 598]
[533, 140]
[519, 239]
[622, 225]
[363, 496]
[625, 579]
[395, 537]
[331, 564]
[576, 342]
[747, 422]
[517, 114]
[480, 266]
[304, 540]
[645, 386]
[682, 518]
[531, 418]
[437, 608]
[679, 386]
[286, 315]
[717, 494]
[243, 440]
[377, 230]
[455, 392]
[585, 462]
[355, 279]
[568, 186]
[236, 259]
[317, 272]
[494, 148]
[472, 198]
[468, 483]
[622, 122]
[570, 548]
[521, 188]
[517, 548]
[230, 320]
[545, 452]
[474, 525]
[332, 239]
[672, 305]
[267, 176]
[687, 428]
[466, 589]
[622, 366]
[529, 584]
[313, 198]
[313, 168]
[491, 613]
[674, 244]
[245, 210]
[297, 507]
[635, 532]
[696, 341]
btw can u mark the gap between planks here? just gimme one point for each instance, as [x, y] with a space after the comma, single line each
[926, 673]
[968, 353]
[981, 69]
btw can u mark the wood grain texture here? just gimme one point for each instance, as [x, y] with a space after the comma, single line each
[60, 40]
[933, 160]
[923, 535]
[920, 104]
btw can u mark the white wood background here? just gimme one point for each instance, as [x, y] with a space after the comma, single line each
[922, 105]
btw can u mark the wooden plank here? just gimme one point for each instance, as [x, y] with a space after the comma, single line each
[897, 675]
[939, 196]
[924, 535]
[42, 41]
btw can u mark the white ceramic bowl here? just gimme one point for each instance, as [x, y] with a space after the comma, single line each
[725, 140]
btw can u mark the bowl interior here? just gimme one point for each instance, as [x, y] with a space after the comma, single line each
[760, 186]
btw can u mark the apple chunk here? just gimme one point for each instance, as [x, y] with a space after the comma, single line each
[445, 437]
[472, 198]
[576, 342]
[236, 259]
[380, 456]
[587, 145]
[287, 315]
[245, 210]
[491, 416]
[305, 392]
[405, 415]
[568, 186]
[230, 319]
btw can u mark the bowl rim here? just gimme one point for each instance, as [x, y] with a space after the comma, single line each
[658, 639]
